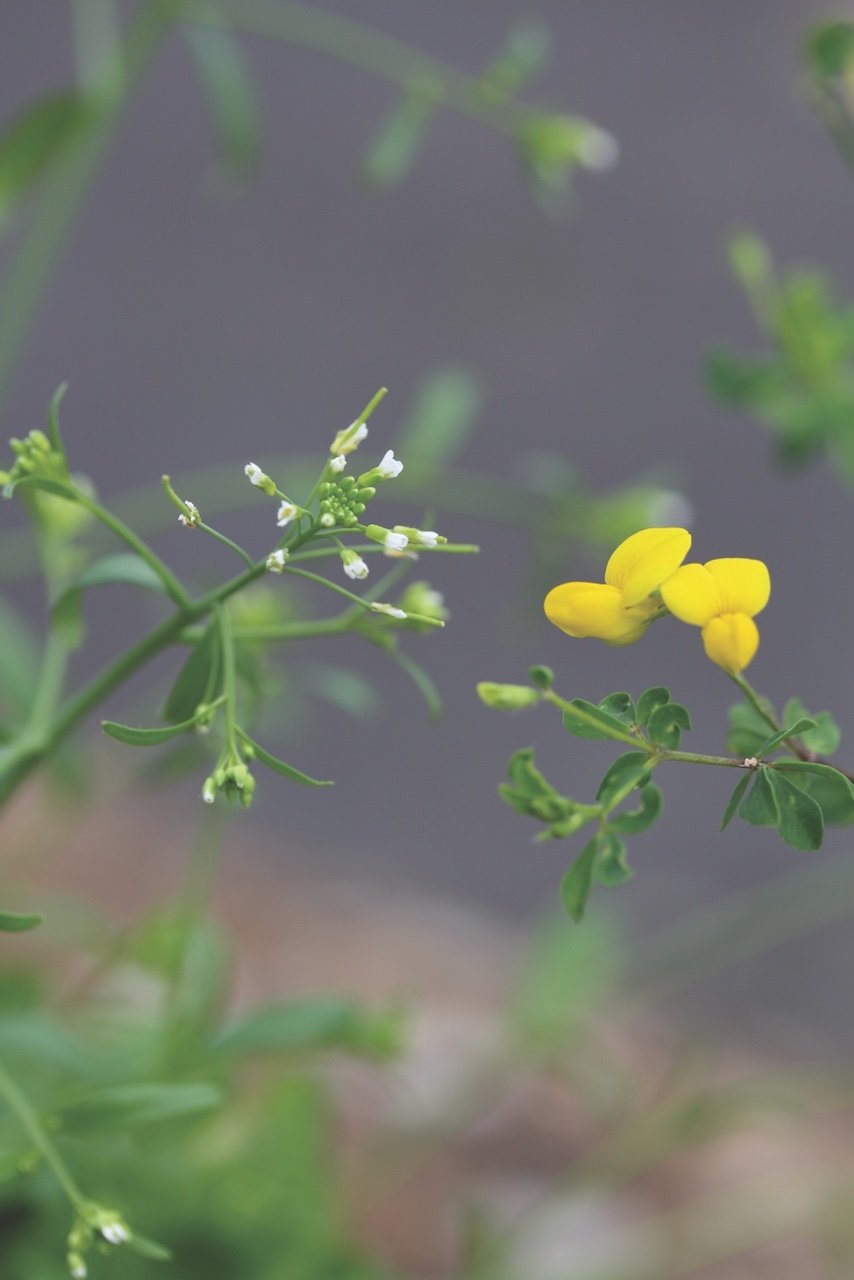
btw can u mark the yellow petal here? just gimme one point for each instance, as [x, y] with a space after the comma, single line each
[594, 609]
[744, 585]
[691, 594]
[641, 563]
[731, 640]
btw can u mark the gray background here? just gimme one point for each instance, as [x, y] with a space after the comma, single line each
[197, 329]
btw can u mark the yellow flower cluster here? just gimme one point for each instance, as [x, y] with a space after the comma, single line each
[645, 578]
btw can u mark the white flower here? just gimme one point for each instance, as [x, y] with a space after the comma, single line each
[337, 464]
[389, 466]
[255, 474]
[395, 541]
[193, 519]
[276, 561]
[349, 439]
[286, 513]
[115, 1232]
[598, 149]
[354, 565]
[388, 609]
[78, 1270]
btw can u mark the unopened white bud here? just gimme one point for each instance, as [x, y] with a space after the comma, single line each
[209, 791]
[349, 439]
[354, 565]
[255, 474]
[337, 464]
[276, 561]
[115, 1232]
[388, 609]
[327, 520]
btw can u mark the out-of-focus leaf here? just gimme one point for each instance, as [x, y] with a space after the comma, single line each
[34, 140]
[279, 766]
[19, 660]
[125, 568]
[15, 922]
[577, 883]
[132, 1105]
[312, 1025]
[440, 420]
[230, 93]
[394, 147]
[144, 737]
[196, 679]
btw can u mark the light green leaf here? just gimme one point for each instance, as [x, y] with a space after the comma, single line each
[279, 766]
[422, 681]
[585, 720]
[832, 791]
[635, 820]
[666, 723]
[577, 883]
[649, 700]
[395, 145]
[747, 729]
[729, 812]
[824, 738]
[612, 868]
[231, 98]
[440, 420]
[830, 48]
[314, 1024]
[34, 140]
[196, 680]
[19, 660]
[760, 807]
[146, 1248]
[145, 737]
[131, 1105]
[800, 823]
[792, 731]
[124, 568]
[15, 922]
[627, 771]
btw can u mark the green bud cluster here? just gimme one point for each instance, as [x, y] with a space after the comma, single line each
[342, 501]
[35, 456]
[232, 779]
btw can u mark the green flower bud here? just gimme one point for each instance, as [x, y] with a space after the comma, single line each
[508, 697]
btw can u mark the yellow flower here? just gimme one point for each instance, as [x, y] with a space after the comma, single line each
[722, 597]
[620, 609]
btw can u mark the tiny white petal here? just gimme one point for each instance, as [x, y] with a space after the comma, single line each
[286, 513]
[395, 541]
[427, 538]
[115, 1233]
[276, 561]
[389, 466]
[598, 149]
[337, 464]
[356, 568]
[360, 434]
[388, 609]
[255, 474]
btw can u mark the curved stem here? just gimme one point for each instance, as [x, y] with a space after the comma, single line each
[171, 584]
[226, 644]
[227, 542]
[22, 1108]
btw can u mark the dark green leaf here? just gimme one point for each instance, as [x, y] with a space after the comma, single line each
[577, 883]
[830, 48]
[729, 812]
[231, 98]
[15, 922]
[649, 700]
[542, 677]
[612, 868]
[636, 820]
[312, 1025]
[144, 737]
[627, 771]
[760, 807]
[620, 706]
[800, 823]
[279, 766]
[34, 140]
[824, 738]
[747, 729]
[125, 568]
[585, 720]
[791, 731]
[666, 723]
[833, 792]
[130, 1105]
[196, 680]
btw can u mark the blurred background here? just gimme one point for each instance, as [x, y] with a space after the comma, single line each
[199, 325]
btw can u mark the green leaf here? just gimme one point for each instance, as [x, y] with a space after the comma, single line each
[577, 883]
[230, 93]
[747, 729]
[56, 487]
[666, 723]
[53, 431]
[649, 700]
[146, 1248]
[124, 568]
[439, 421]
[635, 820]
[145, 737]
[627, 771]
[542, 677]
[729, 812]
[531, 794]
[15, 922]
[279, 766]
[19, 660]
[824, 738]
[132, 1105]
[620, 706]
[196, 680]
[612, 868]
[830, 48]
[760, 807]
[585, 720]
[395, 144]
[310, 1025]
[34, 140]
[832, 791]
[422, 681]
[800, 823]
[792, 731]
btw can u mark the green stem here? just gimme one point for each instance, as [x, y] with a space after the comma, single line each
[227, 542]
[63, 193]
[694, 757]
[755, 701]
[122, 531]
[229, 683]
[49, 688]
[305, 629]
[21, 1107]
[325, 582]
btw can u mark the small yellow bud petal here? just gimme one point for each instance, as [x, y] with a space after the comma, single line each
[594, 609]
[744, 585]
[642, 562]
[731, 640]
